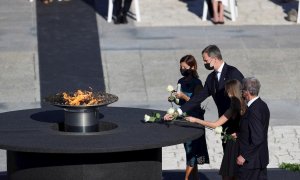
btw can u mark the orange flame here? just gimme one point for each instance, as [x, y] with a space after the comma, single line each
[81, 98]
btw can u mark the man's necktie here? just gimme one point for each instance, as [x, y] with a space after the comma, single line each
[216, 81]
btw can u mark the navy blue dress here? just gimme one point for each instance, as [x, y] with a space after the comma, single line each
[196, 150]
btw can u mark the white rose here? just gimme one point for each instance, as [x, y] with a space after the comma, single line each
[171, 111]
[170, 88]
[218, 130]
[179, 111]
[146, 118]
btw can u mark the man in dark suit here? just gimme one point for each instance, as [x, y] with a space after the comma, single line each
[253, 135]
[215, 83]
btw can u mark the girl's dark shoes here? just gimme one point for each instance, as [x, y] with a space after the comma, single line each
[118, 19]
[122, 19]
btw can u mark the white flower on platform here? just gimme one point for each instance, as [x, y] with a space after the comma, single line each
[171, 111]
[146, 118]
[155, 117]
[170, 88]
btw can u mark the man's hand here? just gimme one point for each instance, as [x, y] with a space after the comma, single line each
[168, 117]
[240, 160]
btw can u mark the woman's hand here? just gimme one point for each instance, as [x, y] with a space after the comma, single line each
[181, 95]
[191, 119]
[234, 135]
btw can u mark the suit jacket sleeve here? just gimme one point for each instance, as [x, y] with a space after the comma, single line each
[196, 99]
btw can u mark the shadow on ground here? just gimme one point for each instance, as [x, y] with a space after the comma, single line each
[286, 5]
[3, 176]
[179, 175]
[194, 6]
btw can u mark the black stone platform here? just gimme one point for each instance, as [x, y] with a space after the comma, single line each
[273, 174]
[126, 148]
[206, 174]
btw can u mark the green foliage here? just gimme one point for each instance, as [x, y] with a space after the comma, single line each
[226, 136]
[290, 166]
[154, 117]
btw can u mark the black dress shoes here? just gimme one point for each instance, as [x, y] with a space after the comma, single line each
[124, 19]
[118, 20]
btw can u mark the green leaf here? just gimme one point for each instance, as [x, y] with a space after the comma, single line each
[171, 98]
[152, 119]
[157, 115]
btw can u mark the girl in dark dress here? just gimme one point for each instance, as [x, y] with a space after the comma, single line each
[237, 108]
[196, 150]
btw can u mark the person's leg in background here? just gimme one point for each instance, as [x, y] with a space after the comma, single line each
[118, 11]
[215, 18]
[210, 8]
[218, 8]
[221, 12]
[126, 8]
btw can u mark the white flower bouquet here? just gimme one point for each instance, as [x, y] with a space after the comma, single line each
[172, 98]
[224, 136]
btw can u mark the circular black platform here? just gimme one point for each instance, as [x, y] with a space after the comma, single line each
[36, 146]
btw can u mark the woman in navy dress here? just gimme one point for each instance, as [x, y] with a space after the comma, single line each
[196, 150]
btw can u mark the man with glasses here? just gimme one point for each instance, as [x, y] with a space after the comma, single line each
[215, 83]
[253, 134]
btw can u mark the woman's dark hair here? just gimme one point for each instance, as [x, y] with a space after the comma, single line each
[191, 61]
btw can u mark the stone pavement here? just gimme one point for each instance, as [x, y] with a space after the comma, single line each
[141, 59]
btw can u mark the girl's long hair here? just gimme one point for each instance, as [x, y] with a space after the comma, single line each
[234, 87]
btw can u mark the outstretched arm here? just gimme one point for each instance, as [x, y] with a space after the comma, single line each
[223, 119]
[195, 100]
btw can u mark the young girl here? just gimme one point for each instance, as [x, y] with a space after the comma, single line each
[196, 150]
[237, 108]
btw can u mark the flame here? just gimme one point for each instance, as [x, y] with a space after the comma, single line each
[81, 98]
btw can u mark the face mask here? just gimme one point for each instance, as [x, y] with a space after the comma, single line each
[208, 67]
[185, 72]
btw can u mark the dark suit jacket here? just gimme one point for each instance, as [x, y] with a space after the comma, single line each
[221, 99]
[253, 135]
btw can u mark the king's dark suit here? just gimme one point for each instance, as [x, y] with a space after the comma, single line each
[253, 140]
[215, 89]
